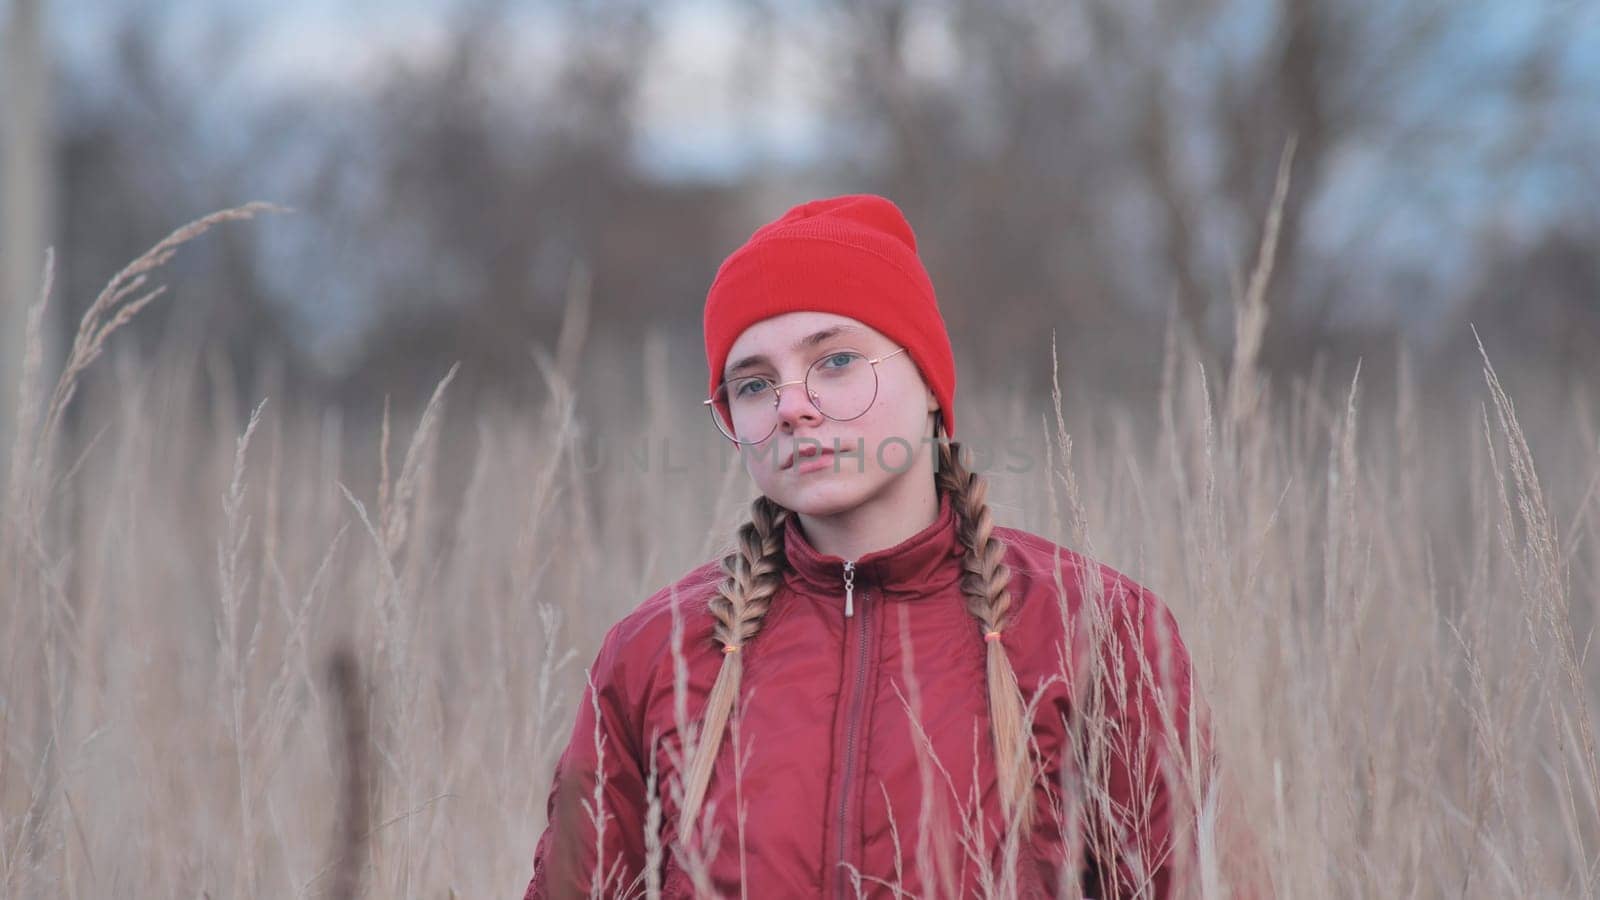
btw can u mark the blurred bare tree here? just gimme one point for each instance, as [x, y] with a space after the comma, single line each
[493, 194]
[135, 159]
[1091, 167]
[1079, 163]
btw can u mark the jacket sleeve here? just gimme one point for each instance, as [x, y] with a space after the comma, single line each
[1135, 829]
[597, 797]
[1150, 761]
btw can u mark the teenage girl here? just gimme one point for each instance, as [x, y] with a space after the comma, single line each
[879, 691]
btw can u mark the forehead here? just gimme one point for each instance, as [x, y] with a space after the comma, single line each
[778, 336]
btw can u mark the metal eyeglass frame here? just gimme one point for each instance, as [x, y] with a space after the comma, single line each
[777, 396]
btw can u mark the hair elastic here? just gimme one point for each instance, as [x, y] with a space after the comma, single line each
[731, 648]
[991, 635]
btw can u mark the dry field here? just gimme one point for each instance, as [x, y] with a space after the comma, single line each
[265, 655]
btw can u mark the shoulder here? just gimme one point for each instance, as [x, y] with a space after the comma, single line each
[1039, 564]
[689, 591]
[636, 641]
[1063, 599]
[1053, 585]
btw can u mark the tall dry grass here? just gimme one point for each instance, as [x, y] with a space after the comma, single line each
[265, 654]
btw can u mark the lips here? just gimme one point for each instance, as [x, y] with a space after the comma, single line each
[807, 452]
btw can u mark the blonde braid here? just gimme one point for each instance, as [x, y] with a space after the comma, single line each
[989, 600]
[752, 574]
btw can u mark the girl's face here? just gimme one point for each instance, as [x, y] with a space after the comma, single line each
[890, 441]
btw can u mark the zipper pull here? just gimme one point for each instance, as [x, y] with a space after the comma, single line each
[849, 588]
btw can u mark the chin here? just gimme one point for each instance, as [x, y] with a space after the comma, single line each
[821, 497]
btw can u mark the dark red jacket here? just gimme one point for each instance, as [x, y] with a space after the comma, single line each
[832, 785]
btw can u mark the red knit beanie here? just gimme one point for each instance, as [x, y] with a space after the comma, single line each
[853, 255]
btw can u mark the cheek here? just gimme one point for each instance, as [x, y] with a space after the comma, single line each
[893, 428]
[762, 462]
[897, 454]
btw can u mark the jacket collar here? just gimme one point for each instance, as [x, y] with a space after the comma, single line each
[925, 561]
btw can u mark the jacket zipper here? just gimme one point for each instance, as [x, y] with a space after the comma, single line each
[850, 731]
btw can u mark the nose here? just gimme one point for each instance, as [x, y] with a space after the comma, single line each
[794, 407]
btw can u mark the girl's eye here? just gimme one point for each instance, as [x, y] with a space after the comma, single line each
[839, 360]
[749, 387]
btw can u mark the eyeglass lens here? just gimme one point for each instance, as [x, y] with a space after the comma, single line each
[841, 386]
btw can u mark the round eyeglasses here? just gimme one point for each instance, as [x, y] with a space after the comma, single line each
[841, 385]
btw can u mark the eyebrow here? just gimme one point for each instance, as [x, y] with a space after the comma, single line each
[810, 340]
